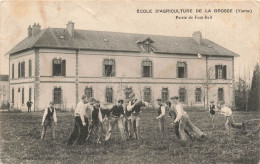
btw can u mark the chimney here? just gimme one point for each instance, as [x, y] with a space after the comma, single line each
[197, 37]
[70, 28]
[36, 29]
[29, 31]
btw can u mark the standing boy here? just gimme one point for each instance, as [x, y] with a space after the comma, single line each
[49, 117]
[80, 123]
[212, 112]
[227, 112]
[127, 121]
[161, 114]
[184, 120]
[96, 128]
[116, 115]
[29, 105]
[135, 107]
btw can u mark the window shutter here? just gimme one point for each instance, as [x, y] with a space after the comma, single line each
[53, 67]
[151, 69]
[216, 71]
[12, 71]
[63, 68]
[224, 72]
[113, 68]
[185, 70]
[18, 70]
[23, 69]
[103, 67]
[142, 70]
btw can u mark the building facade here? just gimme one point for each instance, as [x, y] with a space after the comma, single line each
[61, 64]
[4, 89]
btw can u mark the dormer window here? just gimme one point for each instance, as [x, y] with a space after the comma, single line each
[145, 44]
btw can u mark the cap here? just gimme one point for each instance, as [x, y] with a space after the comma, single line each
[132, 95]
[158, 99]
[175, 98]
[51, 103]
[83, 97]
[120, 101]
[91, 99]
[168, 103]
[212, 101]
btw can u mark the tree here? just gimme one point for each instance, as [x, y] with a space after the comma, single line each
[253, 100]
[207, 85]
[241, 95]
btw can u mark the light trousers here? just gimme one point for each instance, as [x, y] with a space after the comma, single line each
[186, 123]
[112, 122]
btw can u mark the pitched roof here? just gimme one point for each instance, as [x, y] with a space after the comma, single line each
[4, 77]
[116, 41]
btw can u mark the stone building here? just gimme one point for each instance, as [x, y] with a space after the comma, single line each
[61, 64]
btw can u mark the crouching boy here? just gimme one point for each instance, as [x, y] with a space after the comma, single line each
[227, 112]
[49, 118]
[184, 120]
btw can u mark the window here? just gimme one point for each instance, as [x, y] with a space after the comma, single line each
[181, 70]
[198, 95]
[12, 71]
[109, 95]
[147, 95]
[220, 94]
[30, 94]
[109, 68]
[88, 92]
[12, 95]
[147, 46]
[147, 68]
[19, 70]
[4, 88]
[165, 94]
[220, 71]
[128, 91]
[182, 95]
[4, 97]
[30, 68]
[57, 96]
[22, 95]
[22, 65]
[58, 67]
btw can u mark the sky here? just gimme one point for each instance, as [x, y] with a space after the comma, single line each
[238, 32]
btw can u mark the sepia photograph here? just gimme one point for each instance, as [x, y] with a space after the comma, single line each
[129, 82]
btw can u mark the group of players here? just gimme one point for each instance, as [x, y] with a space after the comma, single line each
[89, 119]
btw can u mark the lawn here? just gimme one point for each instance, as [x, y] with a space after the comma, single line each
[20, 142]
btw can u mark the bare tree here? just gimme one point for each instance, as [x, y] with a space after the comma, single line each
[207, 85]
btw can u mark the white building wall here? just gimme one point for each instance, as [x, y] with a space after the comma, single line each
[68, 95]
[128, 73]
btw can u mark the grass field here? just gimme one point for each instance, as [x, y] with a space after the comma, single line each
[20, 142]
